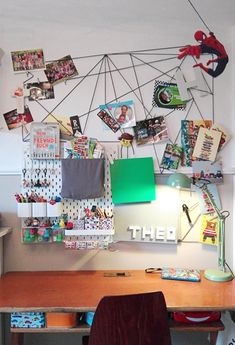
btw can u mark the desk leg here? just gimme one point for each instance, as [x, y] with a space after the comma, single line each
[213, 338]
[17, 338]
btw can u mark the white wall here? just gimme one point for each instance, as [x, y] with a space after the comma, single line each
[110, 27]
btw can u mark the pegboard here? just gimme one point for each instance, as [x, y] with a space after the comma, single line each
[44, 178]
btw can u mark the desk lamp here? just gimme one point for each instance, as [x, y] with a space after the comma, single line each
[181, 181]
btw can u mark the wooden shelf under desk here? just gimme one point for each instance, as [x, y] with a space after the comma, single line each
[78, 329]
[83, 328]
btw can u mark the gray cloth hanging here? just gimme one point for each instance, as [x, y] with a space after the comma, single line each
[82, 178]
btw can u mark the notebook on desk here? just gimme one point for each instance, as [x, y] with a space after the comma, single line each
[187, 274]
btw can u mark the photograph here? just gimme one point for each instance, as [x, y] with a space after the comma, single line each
[166, 95]
[15, 120]
[151, 131]
[60, 70]
[205, 170]
[171, 157]
[40, 91]
[109, 120]
[123, 112]
[27, 60]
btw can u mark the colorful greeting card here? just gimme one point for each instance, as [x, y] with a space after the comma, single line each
[151, 131]
[122, 112]
[44, 140]
[166, 95]
[225, 136]
[207, 144]
[171, 157]
[189, 133]
[207, 170]
[209, 230]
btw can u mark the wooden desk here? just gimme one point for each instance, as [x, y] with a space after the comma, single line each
[81, 291]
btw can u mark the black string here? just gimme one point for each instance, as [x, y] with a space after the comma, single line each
[93, 95]
[199, 15]
[112, 81]
[137, 81]
[120, 53]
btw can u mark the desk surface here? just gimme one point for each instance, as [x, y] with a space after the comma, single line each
[82, 290]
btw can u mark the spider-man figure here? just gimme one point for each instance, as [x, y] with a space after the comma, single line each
[208, 44]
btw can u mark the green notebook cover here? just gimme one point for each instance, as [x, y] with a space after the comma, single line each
[132, 180]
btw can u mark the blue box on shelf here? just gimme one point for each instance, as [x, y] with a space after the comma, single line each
[89, 317]
[27, 320]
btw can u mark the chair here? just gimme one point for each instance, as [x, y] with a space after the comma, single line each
[139, 319]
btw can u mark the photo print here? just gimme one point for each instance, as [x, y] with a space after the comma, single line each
[206, 170]
[151, 131]
[27, 60]
[189, 132]
[109, 120]
[40, 91]
[60, 70]
[122, 112]
[15, 120]
[171, 157]
[166, 95]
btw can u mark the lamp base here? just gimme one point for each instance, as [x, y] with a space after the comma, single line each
[217, 275]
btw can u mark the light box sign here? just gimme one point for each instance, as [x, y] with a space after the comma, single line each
[132, 180]
[154, 222]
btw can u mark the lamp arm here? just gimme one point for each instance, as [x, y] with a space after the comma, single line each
[221, 229]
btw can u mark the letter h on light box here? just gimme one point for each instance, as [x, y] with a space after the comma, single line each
[181, 181]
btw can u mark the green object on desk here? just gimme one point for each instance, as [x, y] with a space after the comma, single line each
[132, 180]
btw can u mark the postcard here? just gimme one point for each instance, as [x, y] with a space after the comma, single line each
[206, 205]
[166, 95]
[189, 133]
[27, 60]
[209, 230]
[171, 157]
[225, 136]
[109, 120]
[122, 112]
[209, 171]
[60, 70]
[65, 127]
[207, 144]
[15, 120]
[40, 91]
[151, 131]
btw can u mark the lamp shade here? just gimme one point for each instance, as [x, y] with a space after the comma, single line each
[179, 180]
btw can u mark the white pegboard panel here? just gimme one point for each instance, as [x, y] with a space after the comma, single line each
[47, 173]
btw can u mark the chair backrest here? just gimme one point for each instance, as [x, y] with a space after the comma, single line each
[139, 319]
